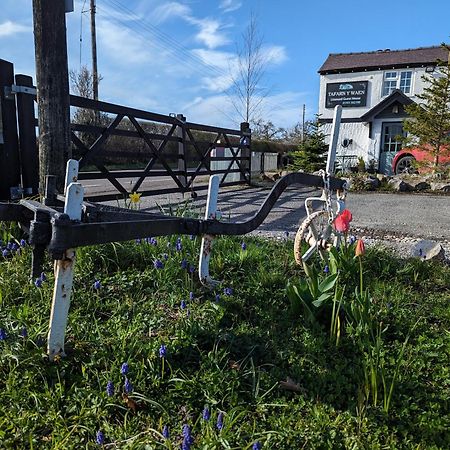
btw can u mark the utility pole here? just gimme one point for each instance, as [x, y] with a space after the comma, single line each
[52, 82]
[94, 52]
[303, 123]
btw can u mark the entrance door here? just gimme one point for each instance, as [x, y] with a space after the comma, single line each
[391, 133]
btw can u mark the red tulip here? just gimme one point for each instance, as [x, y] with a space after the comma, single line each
[342, 221]
[360, 248]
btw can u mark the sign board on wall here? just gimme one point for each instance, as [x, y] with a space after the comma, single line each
[348, 94]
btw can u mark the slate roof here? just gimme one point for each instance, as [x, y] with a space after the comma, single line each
[413, 57]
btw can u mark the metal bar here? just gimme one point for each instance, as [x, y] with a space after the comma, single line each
[207, 239]
[76, 235]
[334, 140]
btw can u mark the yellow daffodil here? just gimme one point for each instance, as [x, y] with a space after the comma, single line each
[135, 197]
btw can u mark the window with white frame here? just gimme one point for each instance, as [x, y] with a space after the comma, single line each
[397, 80]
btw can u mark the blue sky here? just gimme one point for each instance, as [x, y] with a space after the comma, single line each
[175, 56]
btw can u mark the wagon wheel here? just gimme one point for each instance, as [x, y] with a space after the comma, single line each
[316, 231]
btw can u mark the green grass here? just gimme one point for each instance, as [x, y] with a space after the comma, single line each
[228, 354]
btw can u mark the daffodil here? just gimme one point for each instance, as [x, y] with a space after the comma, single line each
[135, 197]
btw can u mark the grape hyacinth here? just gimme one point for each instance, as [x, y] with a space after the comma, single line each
[206, 413]
[165, 432]
[158, 264]
[97, 285]
[38, 282]
[162, 351]
[219, 424]
[191, 268]
[187, 438]
[178, 245]
[100, 438]
[183, 304]
[110, 388]
[228, 291]
[2, 334]
[124, 369]
[5, 253]
[184, 264]
[191, 296]
[192, 236]
[326, 269]
[23, 332]
[128, 386]
[352, 240]
[23, 243]
[257, 446]
[43, 277]
[165, 256]
[217, 298]
[244, 246]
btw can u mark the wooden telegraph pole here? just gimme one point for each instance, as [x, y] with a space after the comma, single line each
[94, 52]
[52, 89]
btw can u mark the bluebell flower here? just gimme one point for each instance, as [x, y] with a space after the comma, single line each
[162, 351]
[187, 438]
[97, 285]
[5, 253]
[23, 243]
[38, 282]
[228, 291]
[43, 277]
[165, 432]
[326, 269]
[257, 446]
[186, 430]
[100, 438]
[219, 424]
[217, 298]
[186, 445]
[124, 369]
[128, 386]
[184, 264]
[158, 264]
[244, 246]
[23, 332]
[191, 295]
[110, 388]
[183, 304]
[2, 334]
[206, 413]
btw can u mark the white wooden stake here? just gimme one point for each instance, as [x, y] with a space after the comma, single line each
[71, 173]
[64, 274]
[207, 240]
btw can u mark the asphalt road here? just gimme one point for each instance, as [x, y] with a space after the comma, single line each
[414, 215]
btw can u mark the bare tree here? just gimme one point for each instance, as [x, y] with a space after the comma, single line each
[246, 93]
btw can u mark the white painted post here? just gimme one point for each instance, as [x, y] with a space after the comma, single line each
[207, 240]
[71, 173]
[334, 139]
[64, 272]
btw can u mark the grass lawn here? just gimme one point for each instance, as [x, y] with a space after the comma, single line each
[214, 360]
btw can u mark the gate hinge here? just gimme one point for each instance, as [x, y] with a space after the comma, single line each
[10, 91]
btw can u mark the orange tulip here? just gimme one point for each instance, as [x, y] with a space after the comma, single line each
[360, 248]
[342, 221]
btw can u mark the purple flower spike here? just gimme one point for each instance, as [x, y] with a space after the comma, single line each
[162, 351]
[23, 243]
[158, 264]
[2, 334]
[191, 268]
[206, 413]
[110, 388]
[326, 269]
[228, 291]
[219, 424]
[191, 295]
[5, 253]
[38, 282]
[97, 285]
[244, 246]
[43, 276]
[184, 264]
[183, 304]
[128, 386]
[100, 438]
[23, 332]
[257, 446]
[124, 369]
[217, 298]
[165, 432]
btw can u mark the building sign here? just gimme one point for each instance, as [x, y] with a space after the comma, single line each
[351, 94]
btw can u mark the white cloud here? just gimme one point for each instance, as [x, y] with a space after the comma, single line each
[274, 54]
[169, 10]
[9, 28]
[230, 5]
[210, 32]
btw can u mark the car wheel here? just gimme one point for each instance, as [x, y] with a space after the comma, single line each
[405, 165]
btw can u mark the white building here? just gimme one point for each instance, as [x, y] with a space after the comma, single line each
[373, 89]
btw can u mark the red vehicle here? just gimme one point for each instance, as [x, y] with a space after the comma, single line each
[403, 161]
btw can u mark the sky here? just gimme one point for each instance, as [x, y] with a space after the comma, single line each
[177, 56]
